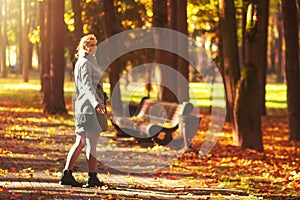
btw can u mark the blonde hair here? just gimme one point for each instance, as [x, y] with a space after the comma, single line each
[80, 51]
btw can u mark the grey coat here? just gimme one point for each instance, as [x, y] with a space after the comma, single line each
[87, 77]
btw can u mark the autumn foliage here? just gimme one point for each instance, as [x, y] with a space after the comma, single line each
[37, 143]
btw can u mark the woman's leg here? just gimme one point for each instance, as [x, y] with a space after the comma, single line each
[91, 156]
[67, 177]
[91, 141]
[75, 151]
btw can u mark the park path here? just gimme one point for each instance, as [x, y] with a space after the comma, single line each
[33, 149]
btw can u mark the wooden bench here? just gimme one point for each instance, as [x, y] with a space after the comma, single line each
[151, 118]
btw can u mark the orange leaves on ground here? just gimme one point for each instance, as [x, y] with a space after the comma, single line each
[34, 142]
[31, 140]
[3, 189]
[14, 170]
[274, 172]
[169, 177]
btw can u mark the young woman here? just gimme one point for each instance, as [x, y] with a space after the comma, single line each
[90, 112]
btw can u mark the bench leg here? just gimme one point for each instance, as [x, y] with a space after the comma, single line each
[121, 133]
[166, 140]
[148, 141]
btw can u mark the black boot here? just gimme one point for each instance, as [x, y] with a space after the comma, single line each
[68, 179]
[94, 181]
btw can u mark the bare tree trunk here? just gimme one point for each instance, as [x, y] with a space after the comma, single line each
[30, 54]
[263, 22]
[279, 63]
[25, 42]
[171, 60]
[57, 59]
[230, 57]
[163, 17]
[1, 35]
[291, 29]
[275, 56]
[251, 93]
[46, 65]
[182, 64]
[19, 39]
[160, 19]
[77, 17]
[54, 81]
[4, 38]
[32, 22]
[42, 16]
[114, 69]
[78, 28]
[273, 44]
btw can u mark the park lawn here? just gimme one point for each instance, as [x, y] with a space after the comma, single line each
[274, 173]
[200, 93]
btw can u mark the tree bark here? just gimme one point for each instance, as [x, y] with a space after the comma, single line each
[182, 64]
[279, 63]
[230, 57]
[3, 34]
[25, 42]
[113, 68]
[291, 29]
[263, 16]
[249, 103]
[275, 56]
[163, 16]
[77, 19]
[19, 39]
[32, 22]
[56, 102]
[246, 114]
[46, 64]
[57, 59]
[78, 28]
[1, 25]
[42, 16]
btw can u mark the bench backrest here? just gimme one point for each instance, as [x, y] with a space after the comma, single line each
[161, 111]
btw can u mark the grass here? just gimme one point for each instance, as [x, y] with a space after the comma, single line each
[276, 96]
[199, 92]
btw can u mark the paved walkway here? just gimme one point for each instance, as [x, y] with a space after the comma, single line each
[37, 177]
[32, 155]
[120, 186]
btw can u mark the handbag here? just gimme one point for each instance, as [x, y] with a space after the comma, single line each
[102, 118]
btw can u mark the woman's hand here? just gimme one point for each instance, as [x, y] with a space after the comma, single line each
[100, 108]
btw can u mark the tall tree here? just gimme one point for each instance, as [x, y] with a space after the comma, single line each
[231, 68]
[249, 103]
[291, 29]
[161, 19]
[78, 32]
[182, 64]
[113, 68]
[32, 23]
[41, 5]
[77, 19]
[278, 43]
[45, 45]
[276, 55]
[57, 52]
[19, 38]
[56, 103]
[3, 34]
[1, 25]
[25, 41]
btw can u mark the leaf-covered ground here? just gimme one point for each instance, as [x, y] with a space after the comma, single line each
[36, 142]
[274, 173]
